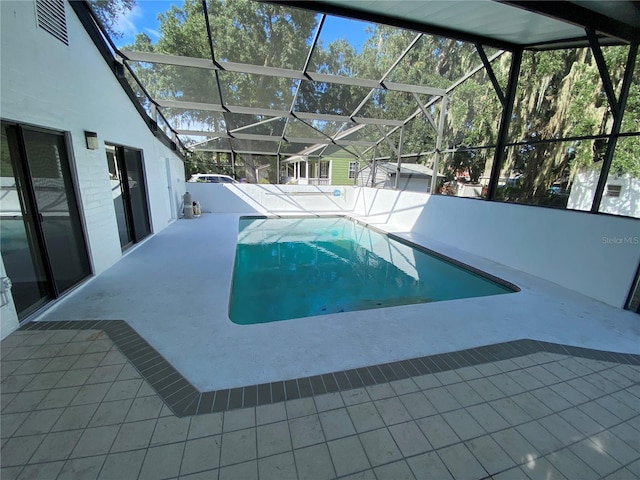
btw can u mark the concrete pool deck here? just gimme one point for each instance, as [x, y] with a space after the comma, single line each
[174, 289]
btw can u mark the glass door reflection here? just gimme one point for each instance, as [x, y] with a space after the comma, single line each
[128, 189]
[119, 193]
[19, 244]
[57, 208]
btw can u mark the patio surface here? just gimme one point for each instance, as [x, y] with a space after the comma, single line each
[174, 291]
[74, 407]
[140, 374]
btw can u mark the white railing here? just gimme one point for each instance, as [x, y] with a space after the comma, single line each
[304, 181]
[319, 181]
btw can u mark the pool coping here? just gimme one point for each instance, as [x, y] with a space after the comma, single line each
[184, 399]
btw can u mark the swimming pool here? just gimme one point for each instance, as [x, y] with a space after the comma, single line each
[289, 268]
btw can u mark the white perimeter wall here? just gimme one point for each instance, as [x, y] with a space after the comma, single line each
[596, 255]
[72, 89]
[273, 199]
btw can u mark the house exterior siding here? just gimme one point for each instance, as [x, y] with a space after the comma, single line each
[340, 171]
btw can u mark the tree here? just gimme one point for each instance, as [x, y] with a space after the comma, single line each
[627, 157]
[244, 32]
[109, 11]
[559, 95]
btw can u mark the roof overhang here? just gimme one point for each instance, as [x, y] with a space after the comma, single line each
[509, 25]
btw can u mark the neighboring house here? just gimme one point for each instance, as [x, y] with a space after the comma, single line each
[331, 170]
[621, 195]
[413, 177]
[85, 173]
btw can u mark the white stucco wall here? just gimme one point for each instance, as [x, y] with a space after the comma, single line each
[596, 255]
[273, 199]
[72, 89]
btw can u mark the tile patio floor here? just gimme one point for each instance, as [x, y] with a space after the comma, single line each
[75, 407]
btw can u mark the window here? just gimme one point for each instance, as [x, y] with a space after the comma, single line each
[324, 169]
[613, 190]
[353, 168]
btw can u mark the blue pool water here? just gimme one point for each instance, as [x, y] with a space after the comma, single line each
[299, 267]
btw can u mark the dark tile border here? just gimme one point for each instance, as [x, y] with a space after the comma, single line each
[184, 399]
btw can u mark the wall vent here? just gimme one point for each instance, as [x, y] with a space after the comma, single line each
[613, 190]
[51, 18]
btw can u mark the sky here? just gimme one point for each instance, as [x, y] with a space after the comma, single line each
[143, 18]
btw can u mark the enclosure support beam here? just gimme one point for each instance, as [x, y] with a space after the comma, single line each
[505, 120]
[399, 151]
[233, 163]
[386, 74]
[154, 112]
[490, 73]
[453, 86]
[425, 112]
[615, 129]
[225, 110]
[213, 55]
[448, 90]
[304, 73]
[388, 140]
[436, 159]
[251, 125]
[313, 46]
[373, 166]
[179, 60]
[604, 71]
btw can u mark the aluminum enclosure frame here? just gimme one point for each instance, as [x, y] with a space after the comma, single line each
[609, 31]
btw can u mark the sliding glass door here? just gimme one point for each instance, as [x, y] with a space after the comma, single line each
[43, 245]
[137, 193]
[129, 194]
[19, 242]
[119, 195]
[57, 207]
